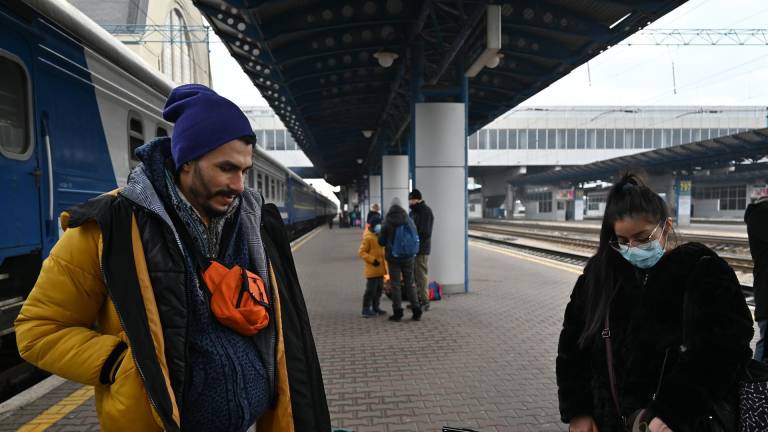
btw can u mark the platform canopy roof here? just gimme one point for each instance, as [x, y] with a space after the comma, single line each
[315, 61]
[725, 152]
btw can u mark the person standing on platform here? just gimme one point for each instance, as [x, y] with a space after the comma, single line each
[756, 218]
[399, 236]
[375, 269]
[136, 298]
[424, 220]
[374, 216]
[352, 218]
[655, 335]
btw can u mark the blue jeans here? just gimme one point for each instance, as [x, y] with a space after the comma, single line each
[760, 352]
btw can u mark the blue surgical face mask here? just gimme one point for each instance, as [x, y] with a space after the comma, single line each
[645, 257]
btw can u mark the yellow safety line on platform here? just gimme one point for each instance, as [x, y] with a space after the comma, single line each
[537, 260]
[58, 411]
[309, 237]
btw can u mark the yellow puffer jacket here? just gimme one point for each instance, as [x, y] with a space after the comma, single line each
[369, 251]
[54, 331]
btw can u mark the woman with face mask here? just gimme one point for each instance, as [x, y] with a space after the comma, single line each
[655, 334]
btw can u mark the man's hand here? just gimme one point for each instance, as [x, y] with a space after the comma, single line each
[582, 424]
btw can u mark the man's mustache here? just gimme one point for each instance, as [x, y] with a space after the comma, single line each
[226, 193]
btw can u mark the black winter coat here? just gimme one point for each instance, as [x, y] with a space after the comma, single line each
[756, 218]
[373, 218]
[423, 218]
[689, 303]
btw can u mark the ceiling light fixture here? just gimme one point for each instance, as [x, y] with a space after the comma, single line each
[494, 61]
[367, 133]
[385, 58]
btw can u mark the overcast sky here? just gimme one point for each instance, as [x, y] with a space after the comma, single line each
[625, 75]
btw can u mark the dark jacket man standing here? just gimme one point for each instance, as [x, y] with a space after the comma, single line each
[424, 220]
[122, 302]
[756, 218]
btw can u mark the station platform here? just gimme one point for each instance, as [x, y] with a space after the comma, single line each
[482, 360]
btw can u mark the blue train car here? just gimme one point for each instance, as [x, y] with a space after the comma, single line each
[74, 105]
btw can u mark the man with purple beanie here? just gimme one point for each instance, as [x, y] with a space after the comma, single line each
[123, 302]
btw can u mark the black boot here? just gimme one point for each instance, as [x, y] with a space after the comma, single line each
[397, 314]
[416, 314]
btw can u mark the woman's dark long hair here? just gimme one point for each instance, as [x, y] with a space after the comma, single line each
[629, 197]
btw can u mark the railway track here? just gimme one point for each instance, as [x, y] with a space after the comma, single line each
[580, 257]
[585, 239]
[714, 241]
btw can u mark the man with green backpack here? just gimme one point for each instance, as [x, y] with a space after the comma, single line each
[399, 237]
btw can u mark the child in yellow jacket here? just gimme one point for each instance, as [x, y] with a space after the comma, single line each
[375, 269]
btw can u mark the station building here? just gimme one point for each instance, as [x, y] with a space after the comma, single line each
[170, 35]
[535, 140]
[532, 140]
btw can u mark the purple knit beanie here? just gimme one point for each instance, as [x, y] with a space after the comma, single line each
[203, 121]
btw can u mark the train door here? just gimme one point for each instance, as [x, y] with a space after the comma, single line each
[20, 173]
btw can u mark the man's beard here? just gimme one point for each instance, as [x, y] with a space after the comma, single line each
[205, 196]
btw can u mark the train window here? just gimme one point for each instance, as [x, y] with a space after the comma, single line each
[15, 137]
[135, 134]
[161, 132]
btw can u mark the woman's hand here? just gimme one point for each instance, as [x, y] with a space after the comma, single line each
[657, 425]
[582, 424]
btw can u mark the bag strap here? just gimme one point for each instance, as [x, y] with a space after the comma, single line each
[661, 375]
[606, 334]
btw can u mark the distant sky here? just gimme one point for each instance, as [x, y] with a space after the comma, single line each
[624, 75]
